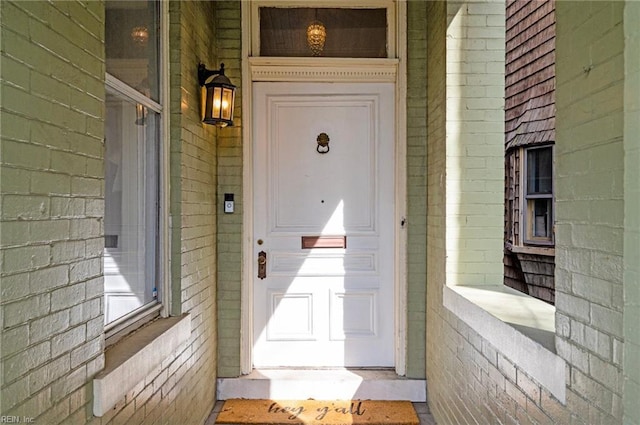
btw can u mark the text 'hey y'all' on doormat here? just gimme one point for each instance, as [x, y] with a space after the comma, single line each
[317, 412]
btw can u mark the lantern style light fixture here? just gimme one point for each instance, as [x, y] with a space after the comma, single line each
[218, 95]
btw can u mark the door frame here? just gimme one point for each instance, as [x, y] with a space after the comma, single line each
[325, 70]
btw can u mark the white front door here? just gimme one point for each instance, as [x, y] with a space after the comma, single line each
[323, 224]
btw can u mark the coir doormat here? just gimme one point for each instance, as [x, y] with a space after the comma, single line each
[317, 412]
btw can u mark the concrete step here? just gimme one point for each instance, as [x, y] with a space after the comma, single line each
[323, 384]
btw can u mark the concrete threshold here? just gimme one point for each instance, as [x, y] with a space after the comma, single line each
[323, 384]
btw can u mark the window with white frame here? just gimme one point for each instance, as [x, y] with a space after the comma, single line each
[538, 196]
[133, 161]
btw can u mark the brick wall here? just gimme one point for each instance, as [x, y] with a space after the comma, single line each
[229, 142]
[469, 380]
[474, 159]
[416, 187]
[52, 209]
[52, 69]
[631, 393]
[436, 200]
[590, 200]
[182, 388]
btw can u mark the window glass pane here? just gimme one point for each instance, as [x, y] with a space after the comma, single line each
[540, 218]
[132, 44]
[355, 33]
[131, 206]
[539, 171]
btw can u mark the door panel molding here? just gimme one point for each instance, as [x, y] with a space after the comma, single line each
[343, 193]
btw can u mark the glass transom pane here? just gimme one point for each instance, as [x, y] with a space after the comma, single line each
[328, 32]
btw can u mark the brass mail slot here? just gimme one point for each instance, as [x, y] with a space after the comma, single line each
[309, 242]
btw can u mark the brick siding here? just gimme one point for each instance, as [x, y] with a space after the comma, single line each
[51, 240]
[469, 380]
[52, 70]
[416, 188]
[475, 131]
[229, 170]
[589, 222]
[631, 365]
[52, 208]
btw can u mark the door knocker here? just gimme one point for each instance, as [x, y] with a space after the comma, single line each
[323, 143]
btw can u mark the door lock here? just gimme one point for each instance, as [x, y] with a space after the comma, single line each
[262, 265]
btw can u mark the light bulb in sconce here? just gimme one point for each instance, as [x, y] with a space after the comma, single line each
[140, 36]
[316, 36]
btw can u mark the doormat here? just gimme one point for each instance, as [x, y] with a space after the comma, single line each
[317, 412]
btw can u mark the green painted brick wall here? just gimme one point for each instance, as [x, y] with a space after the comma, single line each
[182, 389]
[229, 170]
[590, 203]
[475, 138]
[436, 194]
[631, 365]
[51, 131]
[51, 234]
[416, 187]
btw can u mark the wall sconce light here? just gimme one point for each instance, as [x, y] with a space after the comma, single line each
[218, 96]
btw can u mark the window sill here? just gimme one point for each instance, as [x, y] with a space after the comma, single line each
[520, 327]
[533, 250]
[133, 358]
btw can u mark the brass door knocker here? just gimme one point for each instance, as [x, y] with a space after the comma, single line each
[323, 143]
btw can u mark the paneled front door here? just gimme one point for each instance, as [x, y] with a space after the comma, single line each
[323, 237]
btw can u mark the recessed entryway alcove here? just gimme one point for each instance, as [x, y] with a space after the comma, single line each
[314, 315]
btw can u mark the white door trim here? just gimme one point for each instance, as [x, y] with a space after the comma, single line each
[332, 69]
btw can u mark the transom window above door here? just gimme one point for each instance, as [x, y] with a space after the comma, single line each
[323, 32]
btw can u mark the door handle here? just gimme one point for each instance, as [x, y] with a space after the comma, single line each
[262, 264]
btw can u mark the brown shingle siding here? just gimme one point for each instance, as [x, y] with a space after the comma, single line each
[529, 120]
[530, 72]
[524, 34]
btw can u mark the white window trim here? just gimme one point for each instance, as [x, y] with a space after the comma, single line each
[144, 314]
[131, 93]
